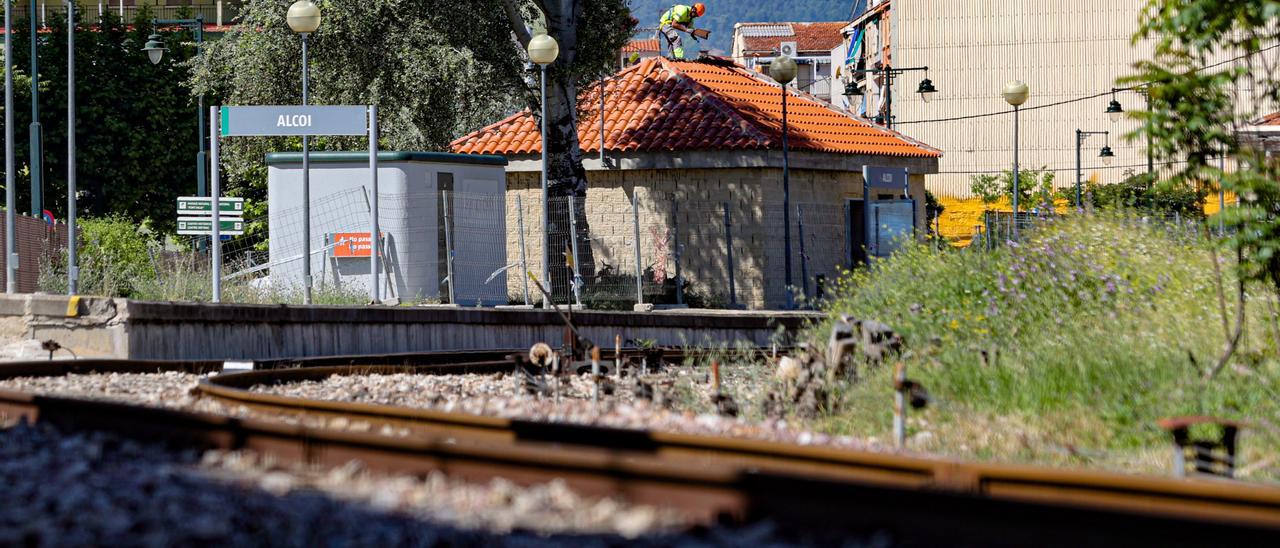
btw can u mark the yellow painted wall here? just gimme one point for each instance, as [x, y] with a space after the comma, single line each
[961, 216]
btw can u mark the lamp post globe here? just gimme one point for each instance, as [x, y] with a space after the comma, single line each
[1114, 111]
[1107, 155]
[926, 90]
[303, 17]
[783, 69]
[1016, 93]
[155, 49]
[543, 50]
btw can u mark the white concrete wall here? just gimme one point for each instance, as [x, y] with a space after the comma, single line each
[409, 198]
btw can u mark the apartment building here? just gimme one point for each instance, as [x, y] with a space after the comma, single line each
[1070, 54]
[810, 44]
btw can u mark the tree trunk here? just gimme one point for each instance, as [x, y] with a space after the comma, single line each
[565, 174]
[566, 177]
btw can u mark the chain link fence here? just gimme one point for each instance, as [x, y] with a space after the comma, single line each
[999, 228]
[607, 251]
[665, 250]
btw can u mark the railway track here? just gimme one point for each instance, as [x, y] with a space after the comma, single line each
[917, 500]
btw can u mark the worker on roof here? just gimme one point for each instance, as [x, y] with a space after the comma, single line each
[680, 18]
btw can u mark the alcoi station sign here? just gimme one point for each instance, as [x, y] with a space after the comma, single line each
[264, 121]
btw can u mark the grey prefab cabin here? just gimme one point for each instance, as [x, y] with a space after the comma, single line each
[413, 187]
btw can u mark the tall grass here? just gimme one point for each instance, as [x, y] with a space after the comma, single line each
[1067, 347]
[120, 259]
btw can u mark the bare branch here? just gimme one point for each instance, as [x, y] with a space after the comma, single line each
[517, 22]
[1234, 340]
[542, 6]
[1222, 296]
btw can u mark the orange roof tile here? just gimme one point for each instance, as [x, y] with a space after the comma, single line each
[645, 45]
[659, 105]
[1272, 119]
[809, 37]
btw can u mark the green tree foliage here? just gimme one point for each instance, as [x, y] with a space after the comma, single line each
[384, 52]
[1200, 103]
[136, 123]
[1142, 193]
[932, 211]
[723, 14]
[1035, 187]
[590, 34]
[115, 260]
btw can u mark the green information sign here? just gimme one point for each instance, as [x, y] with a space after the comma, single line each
[198, 205]
[203, 226]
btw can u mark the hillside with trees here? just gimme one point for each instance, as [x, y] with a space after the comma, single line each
[722, 14]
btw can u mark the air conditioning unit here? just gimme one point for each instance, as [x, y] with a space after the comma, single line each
[788, 49]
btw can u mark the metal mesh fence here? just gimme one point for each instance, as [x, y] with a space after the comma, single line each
[604, 255]
[606, 251]
[998, 227]
[474, 226]
[664, 250]
[253, 256]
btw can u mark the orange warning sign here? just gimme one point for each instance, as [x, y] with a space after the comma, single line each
[350, 244]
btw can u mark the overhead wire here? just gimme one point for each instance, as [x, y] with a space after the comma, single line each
[1062, 169]
[1084, 98]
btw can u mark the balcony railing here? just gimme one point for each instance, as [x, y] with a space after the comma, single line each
[221, 12]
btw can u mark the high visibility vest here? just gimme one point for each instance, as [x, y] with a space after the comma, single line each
[678, 13]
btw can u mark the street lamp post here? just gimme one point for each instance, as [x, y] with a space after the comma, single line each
[543, 51]
[1015, 93]
[304, 18]
[1105, 154]
[73, 269]
[155, 52]
[1116, 112]
[11, 252]
[926, 89]
[36, 131]
[783, 70]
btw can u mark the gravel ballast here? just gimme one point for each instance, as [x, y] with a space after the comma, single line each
[682, 404]
[75, 489]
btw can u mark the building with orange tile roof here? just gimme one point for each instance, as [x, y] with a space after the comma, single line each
[642, 48]
[1263, 133]
[694, 136]
[810, 44]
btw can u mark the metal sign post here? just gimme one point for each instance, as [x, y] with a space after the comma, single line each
[215, 247]
[374, 233]
[10, 199]
[296, 121]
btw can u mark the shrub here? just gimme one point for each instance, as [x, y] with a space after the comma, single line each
[1143, 193]
[1083, 335]
[1035, 187]
[114, 258]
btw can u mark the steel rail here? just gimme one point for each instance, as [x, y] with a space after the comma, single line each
[707, 491]
[1157, 496]
[921, 500]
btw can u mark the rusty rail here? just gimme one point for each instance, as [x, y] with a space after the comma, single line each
[1201, 499]
[917, 500]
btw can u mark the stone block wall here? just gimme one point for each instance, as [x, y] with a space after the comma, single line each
[694, 199]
